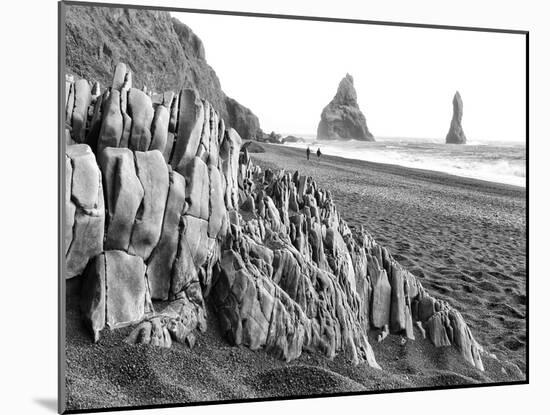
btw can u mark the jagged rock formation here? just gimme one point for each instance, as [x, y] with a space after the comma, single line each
[342, 118]
[272, 138]
[164, 53]
[456, 134]
[146, 214]
[167, 207]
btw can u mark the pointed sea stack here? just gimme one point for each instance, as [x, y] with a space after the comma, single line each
[456, 134]
[342, 119]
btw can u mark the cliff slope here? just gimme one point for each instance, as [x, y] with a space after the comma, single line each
[162, 52]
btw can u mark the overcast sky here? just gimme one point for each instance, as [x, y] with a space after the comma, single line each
[286, 71]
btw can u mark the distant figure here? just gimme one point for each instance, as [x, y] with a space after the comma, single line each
[318, 152]
[308, 152]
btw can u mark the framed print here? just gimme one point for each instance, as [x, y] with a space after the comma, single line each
[259, 207]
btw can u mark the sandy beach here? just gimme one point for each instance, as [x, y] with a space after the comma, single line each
[464, 239]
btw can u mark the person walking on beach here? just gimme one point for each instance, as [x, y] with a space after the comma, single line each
[318, 153]
[308, 152]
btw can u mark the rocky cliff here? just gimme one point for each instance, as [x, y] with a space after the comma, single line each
[342, 118]
[456, 134]
[162, 204]
[163, 54]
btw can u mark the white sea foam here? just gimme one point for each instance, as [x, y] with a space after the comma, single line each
[491, 161]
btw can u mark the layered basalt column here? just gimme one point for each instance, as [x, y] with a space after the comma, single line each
[162, 204]
[84, 209]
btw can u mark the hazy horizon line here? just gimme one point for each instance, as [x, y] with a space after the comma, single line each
[393, 137]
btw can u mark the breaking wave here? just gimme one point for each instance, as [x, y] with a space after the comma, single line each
[491, 161]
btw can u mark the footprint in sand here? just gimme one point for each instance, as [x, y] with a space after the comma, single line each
[489, 286]
[513, 344]
[514, 324]
[512, 311]
[520, 299]
[468, 288]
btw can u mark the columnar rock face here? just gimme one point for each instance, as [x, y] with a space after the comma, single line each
[84, 208]
[342, 118]
[190, 126]
[284, 271]
[456, 134]
[159, 163]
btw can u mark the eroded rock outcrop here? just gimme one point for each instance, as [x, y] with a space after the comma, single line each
[336, 286]
[190, 216]
[342, 118]
[456, 134]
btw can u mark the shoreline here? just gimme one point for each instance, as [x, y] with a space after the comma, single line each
[433, 175]
[428, 171]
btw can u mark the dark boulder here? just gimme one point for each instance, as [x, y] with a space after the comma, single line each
[293, 139]
[272, 137]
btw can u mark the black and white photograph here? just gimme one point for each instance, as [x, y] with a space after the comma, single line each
[260, 207]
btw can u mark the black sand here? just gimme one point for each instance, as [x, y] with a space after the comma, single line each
[465, 240]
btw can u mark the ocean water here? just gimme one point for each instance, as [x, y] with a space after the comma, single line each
[501, 162]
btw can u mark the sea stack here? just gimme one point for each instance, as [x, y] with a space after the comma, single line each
[456, 134]
[342, 119]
